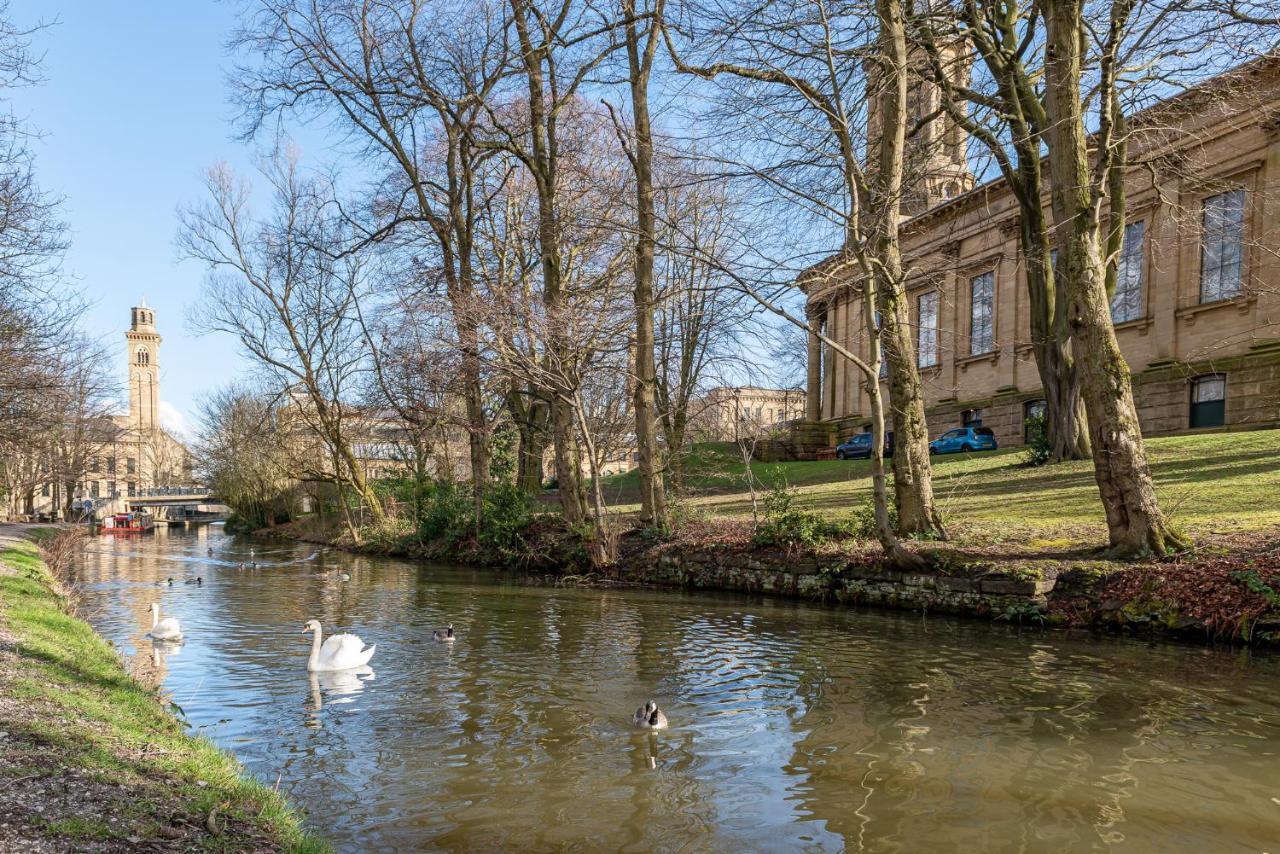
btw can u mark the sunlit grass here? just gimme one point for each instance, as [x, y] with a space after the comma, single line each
[1223, 482]
[104, 722]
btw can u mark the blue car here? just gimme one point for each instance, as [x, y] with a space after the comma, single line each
[964, 439]
[859, 447]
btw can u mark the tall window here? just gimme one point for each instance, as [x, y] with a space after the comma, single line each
[1221, 246]
[143, 357]
[971, 418]
[131, 465]
[927, 331]
[1126, 303]
[1209, 401]
[111, 465]
[981, 313]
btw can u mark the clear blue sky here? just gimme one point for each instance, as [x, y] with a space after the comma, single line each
[134, 108]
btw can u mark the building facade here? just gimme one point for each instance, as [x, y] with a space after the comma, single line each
[727, 413]
[1197, 302]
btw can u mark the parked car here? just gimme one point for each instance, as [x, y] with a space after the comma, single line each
[858, 447]
[964, 439]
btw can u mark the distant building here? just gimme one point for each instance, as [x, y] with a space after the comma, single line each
[137, 454]
[731, 412]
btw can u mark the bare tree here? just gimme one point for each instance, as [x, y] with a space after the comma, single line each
[279, 287]
[409, 80]
[642, 29]
[558, 48]
[801, 69]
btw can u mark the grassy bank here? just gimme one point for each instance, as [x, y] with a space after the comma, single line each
[90, 759]
[1211, 484]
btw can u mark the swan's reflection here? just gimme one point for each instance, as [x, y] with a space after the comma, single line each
[151, 670]
[338, 685]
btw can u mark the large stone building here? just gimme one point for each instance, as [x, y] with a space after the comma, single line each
[136, 454]
[727, 413]
[1197, 305]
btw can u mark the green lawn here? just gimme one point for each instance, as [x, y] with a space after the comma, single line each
[1216, 483]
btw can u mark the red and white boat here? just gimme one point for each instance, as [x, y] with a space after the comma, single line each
[128, 523]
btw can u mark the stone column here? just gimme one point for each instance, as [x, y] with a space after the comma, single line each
[813, 390]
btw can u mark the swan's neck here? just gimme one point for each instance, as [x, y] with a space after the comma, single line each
[315, 648]
[155, 617]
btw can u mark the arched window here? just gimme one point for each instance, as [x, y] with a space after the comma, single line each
[144, 358]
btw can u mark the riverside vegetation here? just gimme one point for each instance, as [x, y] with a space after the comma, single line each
[90, 758]
[1031, 532]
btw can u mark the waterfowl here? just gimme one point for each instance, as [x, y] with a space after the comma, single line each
[210, 552]
[649, 716]
[196, 580]
[171, 581]
[241, 566]
[339, 652]
[346, 576]
[166, 629]
[445, 635]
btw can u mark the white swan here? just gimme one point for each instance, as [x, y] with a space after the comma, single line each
[339, 652]
[166, 629]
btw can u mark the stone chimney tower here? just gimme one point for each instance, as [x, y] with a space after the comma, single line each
[142, 348]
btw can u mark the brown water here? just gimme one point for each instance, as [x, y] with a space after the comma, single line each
[793, 727]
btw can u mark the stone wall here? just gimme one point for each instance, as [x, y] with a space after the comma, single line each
[978, 591]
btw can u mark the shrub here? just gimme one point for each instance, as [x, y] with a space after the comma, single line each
[447, 513]
[790, 527]
[507, 514]
[1038, 447]
[863, 523]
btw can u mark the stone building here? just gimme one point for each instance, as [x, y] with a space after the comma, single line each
[727, 413]
[137, 453]
[1197, 305]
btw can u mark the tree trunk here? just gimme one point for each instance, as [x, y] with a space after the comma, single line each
[912, 472]
[1065, 425]
[1134, 521]
[530, 420]
[542, 165]
[653, 501]
[477, 423]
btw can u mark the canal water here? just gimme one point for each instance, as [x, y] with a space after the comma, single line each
[793, 726]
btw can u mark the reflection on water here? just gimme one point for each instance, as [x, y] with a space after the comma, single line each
[792, 726]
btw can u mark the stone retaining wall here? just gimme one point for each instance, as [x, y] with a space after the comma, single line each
[978, 591]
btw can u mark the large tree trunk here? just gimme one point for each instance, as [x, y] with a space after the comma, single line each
[653, 500]
[1135, 523]
[477, 423]
[912, 473]
[1065, 426]
[530, 419]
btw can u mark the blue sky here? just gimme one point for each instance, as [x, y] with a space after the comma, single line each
[133, 109]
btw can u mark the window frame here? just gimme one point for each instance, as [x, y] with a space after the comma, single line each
[1139, 287]
[1215, 408]
[990, 338]
[935, 297]
[1218, 294]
